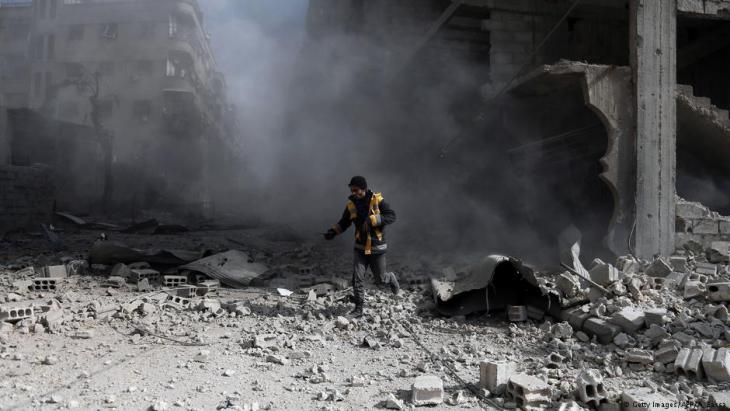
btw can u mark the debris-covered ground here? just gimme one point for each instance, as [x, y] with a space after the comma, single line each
[157, 335]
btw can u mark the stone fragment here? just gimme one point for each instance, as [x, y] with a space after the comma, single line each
[720, 401]
[393, 403]
[689, 363]
[202, 356]
[601, 329]
[342, 323]
[706, 269]
[528, 391]
[630, 319]
[55, 271]
[562, 330]
[654, 316]
[659, 268]
[494, 375]
[621, 340]
[666, 354]
[427, 390]
[656, 333]
[568, 284]
[679, 264]
[716, 364]
[277, 359]
[639, 357]
[605, 274]
[590, 389]
[575, 317]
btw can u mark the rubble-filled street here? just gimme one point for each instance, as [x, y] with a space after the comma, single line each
[125, 336]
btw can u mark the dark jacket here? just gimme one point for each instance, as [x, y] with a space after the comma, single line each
[370, 215]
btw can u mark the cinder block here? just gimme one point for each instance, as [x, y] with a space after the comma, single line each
[494, 375]
[575, 317]
[138, 274]
[654, 283]
[590, 389]
[718, 291]
[517, 313]
[55, 271]
[679, 264]
[716, 364]
[659, 268]
[427, 390]
[694, 289]
[697, 277]
[528, 391]
[114, 282]
[689, 363]
[630, 319]
[12, 313]
[666, 354]
[45, 284]
[186, 290]
[602, 329]
[208, 286]
[705, 226]
[174, 280]
[706, 269]
[181, 301]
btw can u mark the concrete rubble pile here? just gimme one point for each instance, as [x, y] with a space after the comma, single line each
[628, 333]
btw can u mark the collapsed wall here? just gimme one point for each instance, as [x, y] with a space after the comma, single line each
[26, 196]
[698, 224]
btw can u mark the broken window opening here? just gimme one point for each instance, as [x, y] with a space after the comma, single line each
[109, 31]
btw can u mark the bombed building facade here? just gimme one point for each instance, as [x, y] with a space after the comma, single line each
[610, 105]
[157, 96]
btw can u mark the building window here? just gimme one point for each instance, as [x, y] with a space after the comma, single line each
[51, 47]
[109, 31]
[173, 25]
[53, 8]
[76, 32]
[37, 84]
[36, 48]
[142, 110]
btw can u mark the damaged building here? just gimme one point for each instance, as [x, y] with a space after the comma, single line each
[137, 74]
[626, 102]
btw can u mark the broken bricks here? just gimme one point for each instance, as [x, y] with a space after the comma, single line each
[590, 389]
[528, 391]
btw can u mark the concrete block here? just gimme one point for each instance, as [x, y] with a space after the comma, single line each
[138, 274]
[605, 274]
[12, 313]
[590, 389]
[724, 227]
[697, 277]
[656, 333]
[494, 375]
[208, 286]
[688, 209]
[174, 280]
[114, 282]
[45, 284]
[517, 313]
[679, 264]
[667, 354]
[639, 356]
[180, 301]
[643, 399]
[718, 252]
[427, 390]
[689, 363]
[718, 291]
[654, 316]
[675, 279]
[654, 283]
[55, 271]
[716, 364]
[528, 391]
[575, 317]
[659, 268]
[121, 270]
[694, 289]
[568, 284]
[630, 319]
[602, 329]
[186, 291]
[706, 269]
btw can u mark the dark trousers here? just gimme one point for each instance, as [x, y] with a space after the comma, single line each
[376, 262]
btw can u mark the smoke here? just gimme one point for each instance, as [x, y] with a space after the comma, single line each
[317, 108]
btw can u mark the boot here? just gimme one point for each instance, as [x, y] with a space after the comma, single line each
[357, 312]
[392, 281]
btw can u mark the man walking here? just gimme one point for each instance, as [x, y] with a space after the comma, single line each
[370, 214]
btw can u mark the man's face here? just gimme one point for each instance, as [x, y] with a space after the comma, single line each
[357, 192]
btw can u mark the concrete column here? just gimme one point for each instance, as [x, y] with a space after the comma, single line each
[653, 38]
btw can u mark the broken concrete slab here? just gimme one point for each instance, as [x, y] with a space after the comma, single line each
[659, 268]
[233, 268]
[605, 274]
[630, 319]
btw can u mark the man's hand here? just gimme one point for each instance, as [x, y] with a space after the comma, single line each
[330, 234]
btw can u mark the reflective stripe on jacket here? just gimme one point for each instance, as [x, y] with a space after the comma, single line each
[369, 229]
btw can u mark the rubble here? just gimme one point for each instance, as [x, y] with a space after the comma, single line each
[427, 390]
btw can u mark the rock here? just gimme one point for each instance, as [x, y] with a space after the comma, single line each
[50, 360]
[229, 373]
[84, 334]
[562, 330]
[202, 356]
[621, 340]
[371, 342]
[277, 359]
[427, 390]
[393, 403]
[160, 406]
[659, 268]
[342, 323]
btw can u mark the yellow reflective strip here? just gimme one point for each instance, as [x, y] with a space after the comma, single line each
[352, 209]
[379, 234]
[368, 245]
